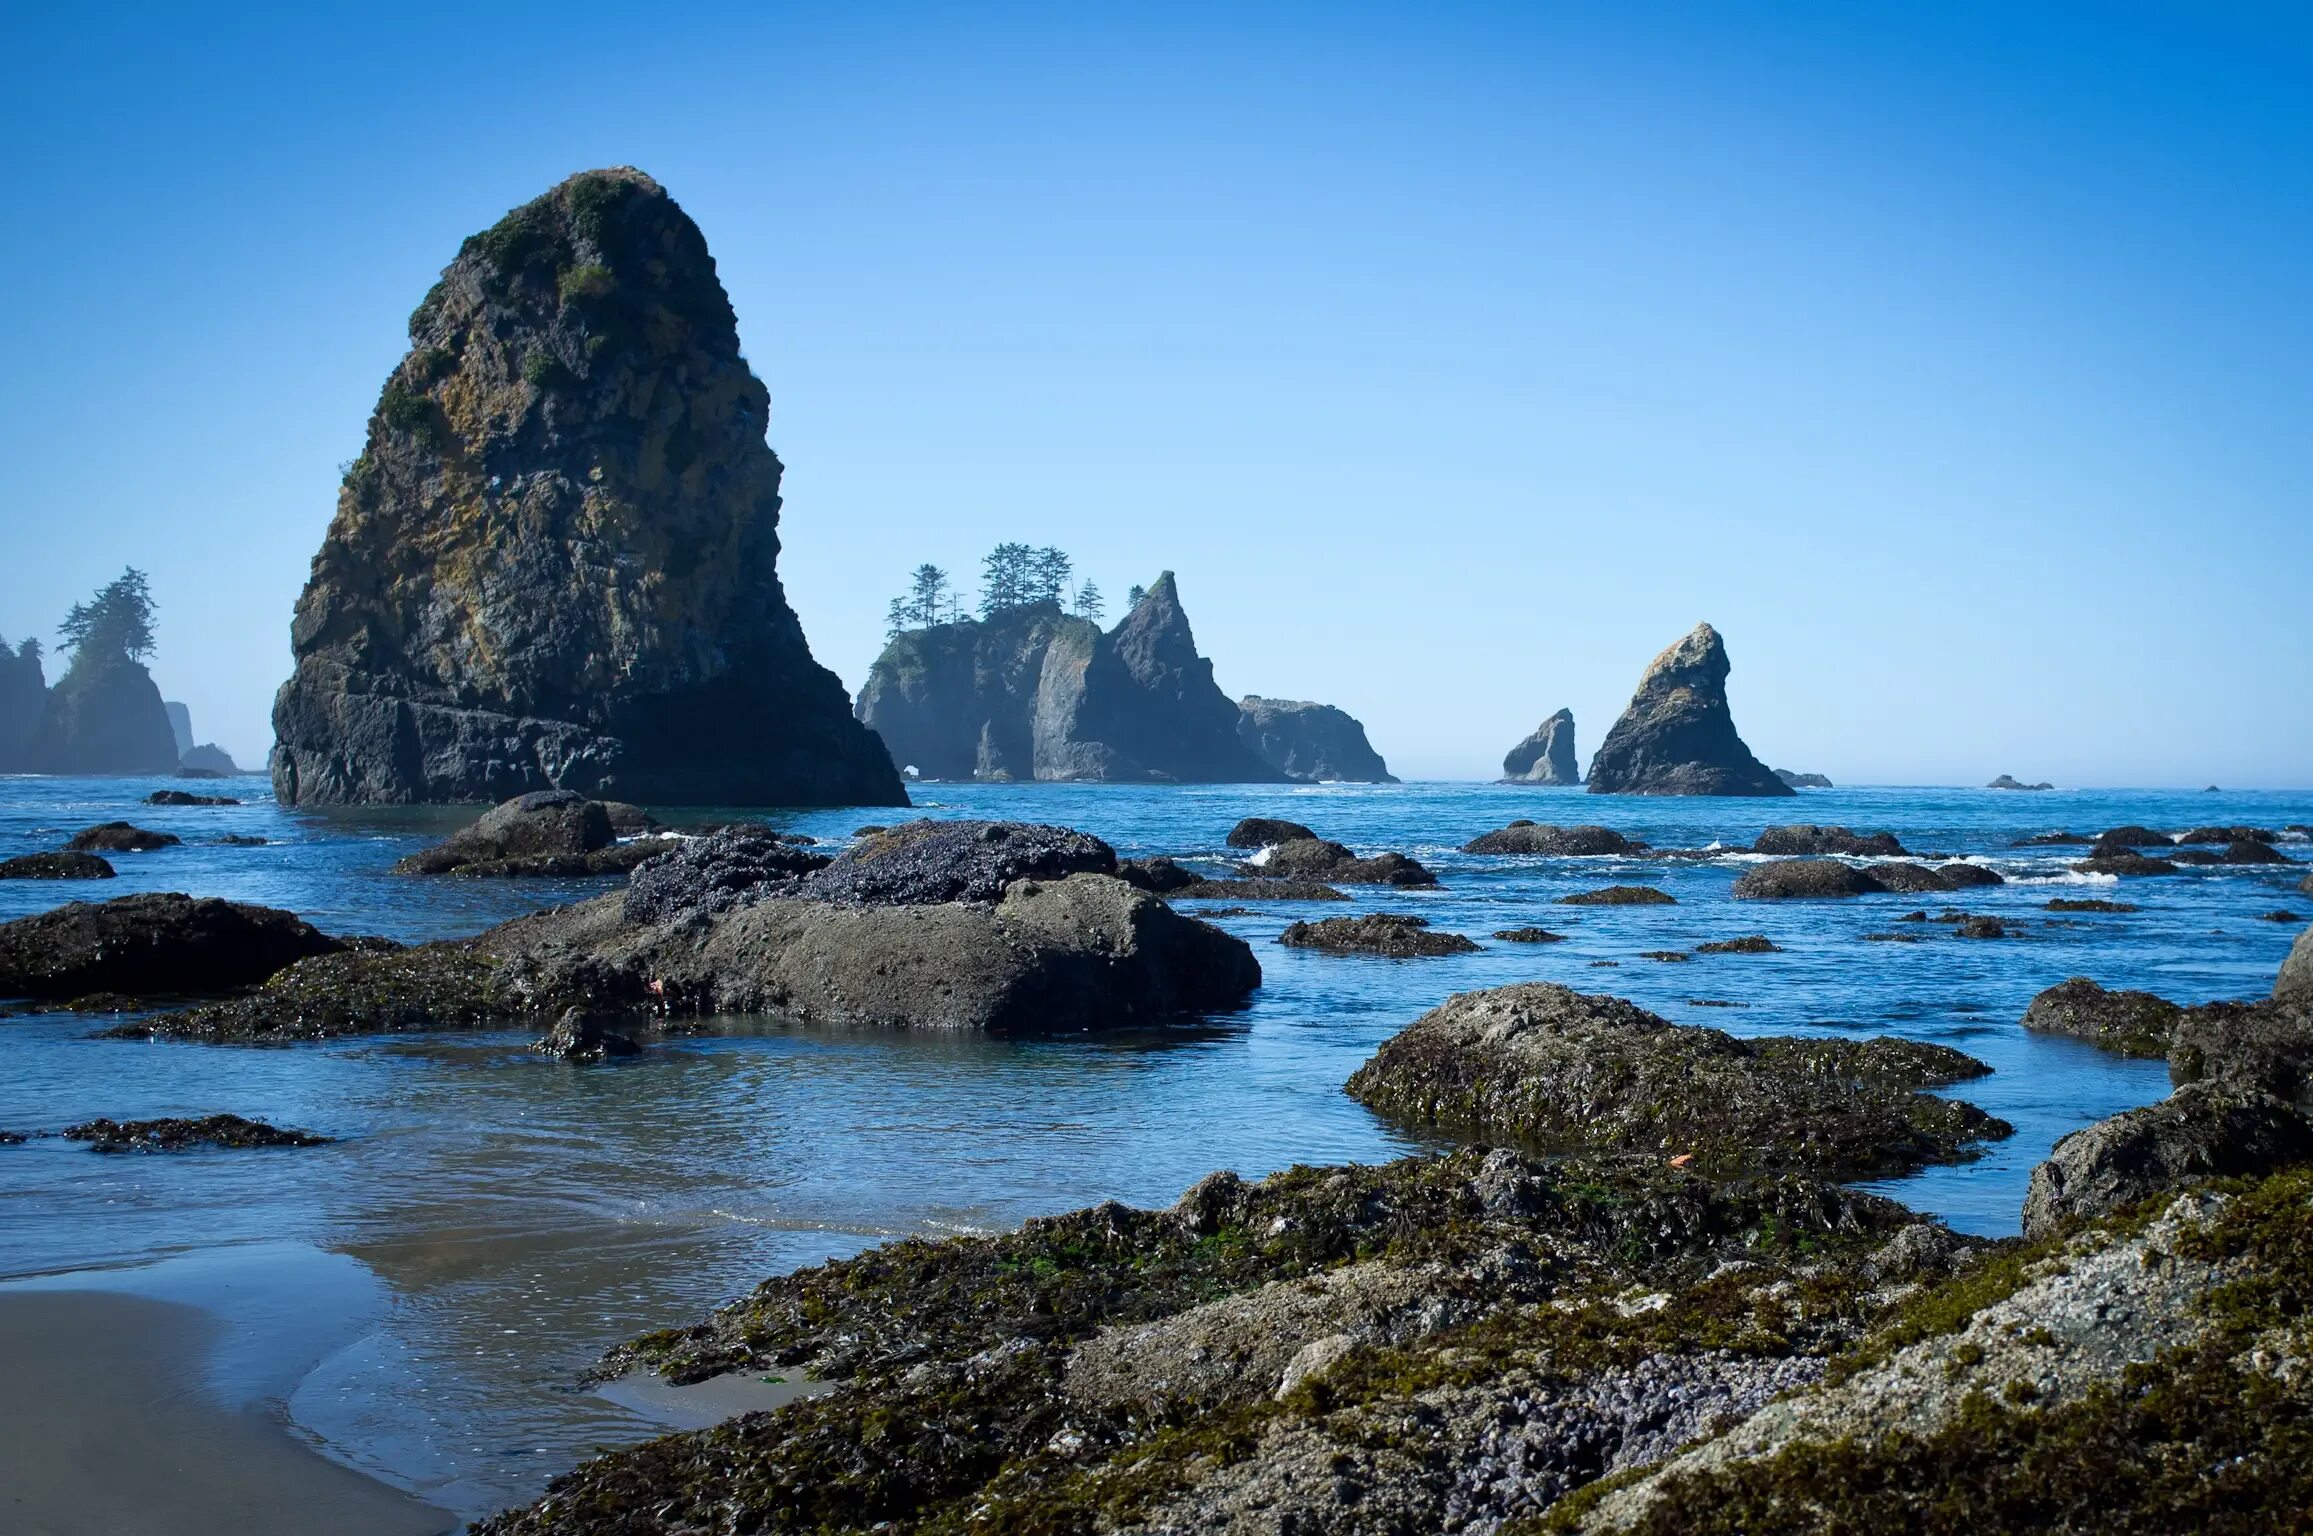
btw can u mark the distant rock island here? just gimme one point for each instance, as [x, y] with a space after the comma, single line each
[1803, 780]
[105, 715]
[1678, 736]
[554, 563]
[1028, 691]
[2010, 781]
[1547, 756]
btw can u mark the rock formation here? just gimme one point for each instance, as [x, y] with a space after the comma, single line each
[180, 724]
[151, 944]
[554, 563]
[1392, 935]
[1547, 756]
[104, 716]
[1678, 735]
[1803, 780]
[1031, 692]
[2010, 781]
[1315, 743]
[207, 760]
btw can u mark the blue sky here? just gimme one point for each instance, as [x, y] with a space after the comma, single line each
[1955, 360]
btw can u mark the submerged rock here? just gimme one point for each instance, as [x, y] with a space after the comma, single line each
[1392, 934]
[1529, 837]
[2051, 840]
[1753, 944]
[119, 837]
[1620, 896]
[1806, 838]
[55, 866]
[1160, 875]
[2090, 904]
[151, 944]
[1542, 1065]
[554, 564]
[1258, 890]
[582, 1034]
[1314, 743]
[181, 1135]
[2202, 1131]
[181, 797]
[1547, 756]
[1678, 735]
[1261, 831]
[2128, 1023]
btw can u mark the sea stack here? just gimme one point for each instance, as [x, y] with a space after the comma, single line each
[1678, 736]
[1315, 743]
[554, 564]
[1031, 692]
[1547, 756]
[23, 699]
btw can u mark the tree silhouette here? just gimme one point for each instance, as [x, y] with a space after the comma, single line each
[1088, 603]
[117, 622]
[1132, 598]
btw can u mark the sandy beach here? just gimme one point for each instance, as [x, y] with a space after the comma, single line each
[110, 1431]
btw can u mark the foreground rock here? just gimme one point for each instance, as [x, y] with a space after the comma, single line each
[119, 837]
[1547, 756]
[1678, 735]
[1793, 879]
[2201, 1132]
[2296, 978]
[554, 563]
[583, 1034]
[1540, 1065]
[1395, 935]
[182, 1135]
[154, 944]
[1806, 838]
[1313, 743]
[1561, 842]
[55, 866]
[1261, 831]
[2127, 1023]
[548, 832]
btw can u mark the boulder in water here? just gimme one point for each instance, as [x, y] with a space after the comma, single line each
[1261, 831]
[1564, 842]
[119, 837]
[1807, 838]
[151, 944]
[1393, 935]
[2126, 1023]
[179, 1135]
[55, 866]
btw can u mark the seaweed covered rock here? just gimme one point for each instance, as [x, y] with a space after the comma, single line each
[371, 991]
[703, 876]
[1620, 896]
[119, 837]
[1529, 936]
[1547, 756]
[1678, 735]
[1319, 859]
[2203, 1131]
[2263, 1047]
[1806, 838]
[2127, 1023]
[926, 862]
[1314, 743]
[151, 944]
[554, 564]
[181, 1135]
[1261, 831]
[1532, 837]
[55, 866]
[1396, 935]
[1545, 1066]
[2296, 978]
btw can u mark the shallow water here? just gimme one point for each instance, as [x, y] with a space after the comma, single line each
[421, 1295]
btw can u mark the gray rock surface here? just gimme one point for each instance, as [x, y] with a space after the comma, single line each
[555, 832]
[554, 563]
[1541, 838]
[1678, 735]
[705, 876]
[2010, 781]
[119, 837]
[2296, 978]
[1547, 756]
[2202, 1131]
[2128, 1023]
[151, 944]
[1314, 743]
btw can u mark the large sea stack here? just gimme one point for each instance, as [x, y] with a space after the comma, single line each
[23, 699]
[1315, 743]
[554, 563]
[1547, 756]
[104, 716]
[1678, 736]
[1030, 692]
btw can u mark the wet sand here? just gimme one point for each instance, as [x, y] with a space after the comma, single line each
[109, 1430]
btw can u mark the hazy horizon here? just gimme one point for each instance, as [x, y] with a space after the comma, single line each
[1955, 367]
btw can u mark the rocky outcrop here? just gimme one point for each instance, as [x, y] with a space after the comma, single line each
[2263, 1047]
[1749, 944]
[207, 760]
[1393, 935]
[151, 945]
[1621, 896]
[1547, 756]
[186, 797]
[1678, 735]
[1320, 859]
[1807, 838]
[2123, 861]
[55, 866]
[119, 837]
[548, 832]
[585, 1034]
[104, 717]
[1314, 743]
[2010, 781]
[2127, 1023]
[1261, 831]
[1803, 780]
[554, 563]
[1543, 1066]
[1557, 842]
[2203, 1131]
[2296, 978]
[1790, 879]
[23, 700]
[180, 724]
[180, 1135]
[1030, 692]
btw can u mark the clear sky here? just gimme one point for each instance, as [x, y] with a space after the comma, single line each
[1956, 361]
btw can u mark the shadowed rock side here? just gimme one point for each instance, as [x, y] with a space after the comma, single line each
[554, 563]
[1314, 743]
[2296, 978]
[23, 699]
[104, 716]
[1035, 693]
[151, 944]
[1547, 756]
[1803, 780]
[1678, 735]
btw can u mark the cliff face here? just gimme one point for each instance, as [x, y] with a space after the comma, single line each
[105, 716]
[1547, 756]
[1035, 693]
[554, 563]
[1678, 736]
[23, 700]
[1311, 742]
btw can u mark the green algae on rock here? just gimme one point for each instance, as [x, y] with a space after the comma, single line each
[1541, 1065]
[554, 563]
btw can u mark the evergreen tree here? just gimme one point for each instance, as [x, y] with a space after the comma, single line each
[927, 595]
[1049, 570]
[1132, 598]
[117, 622]
[1088, 603]
[897, 620]
[1007, 578]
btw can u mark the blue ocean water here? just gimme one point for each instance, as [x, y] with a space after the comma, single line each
[509, 1216]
